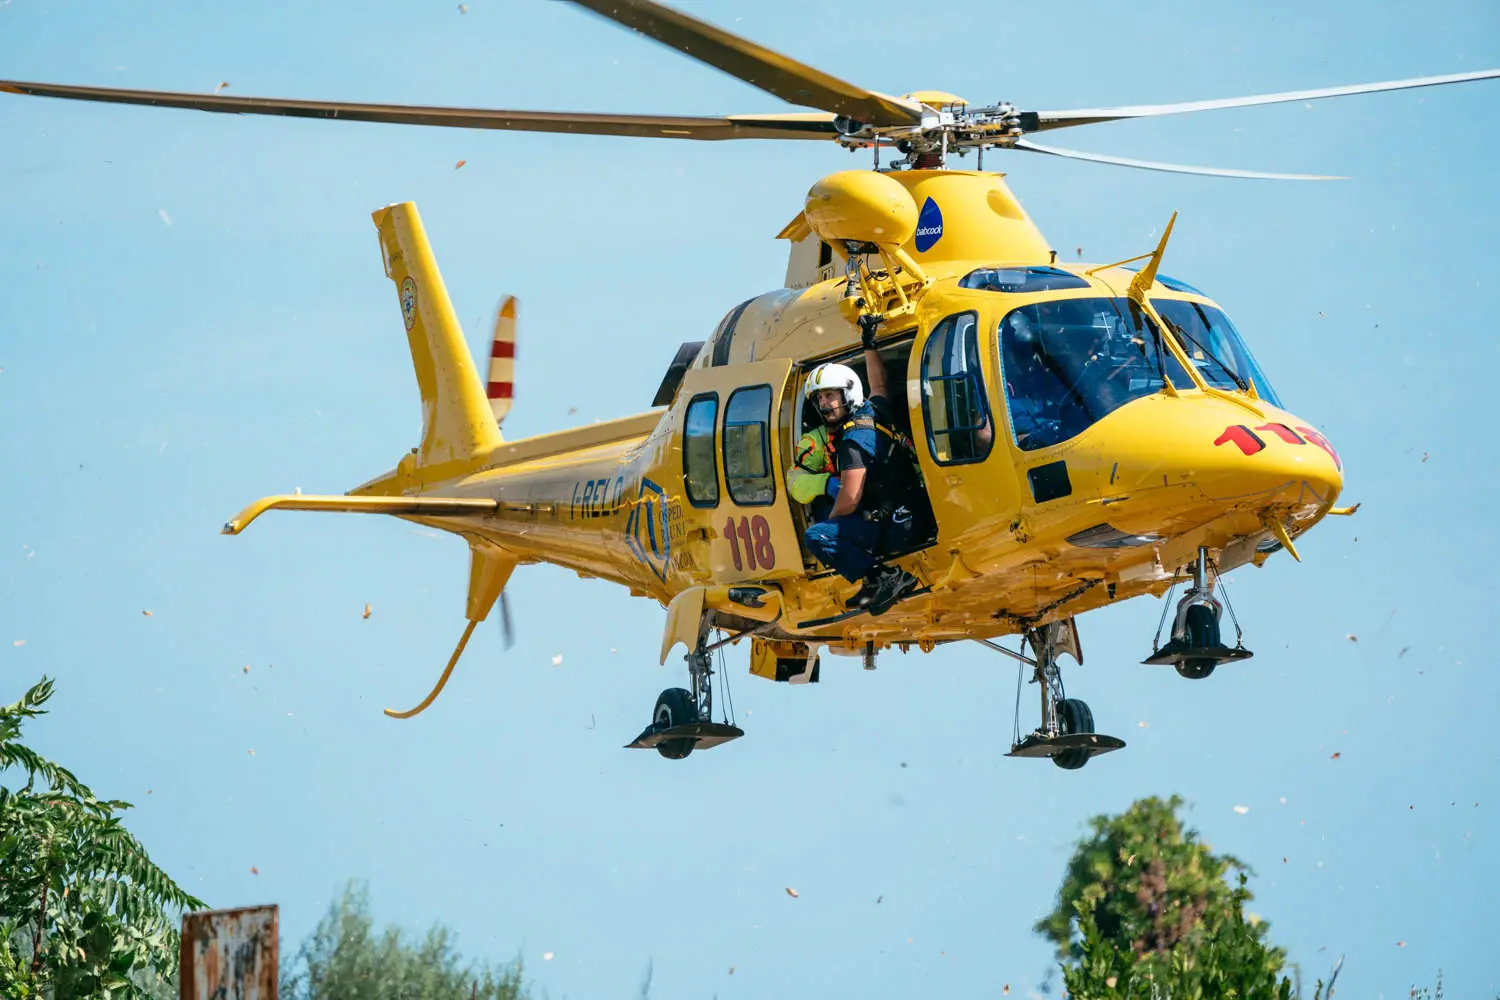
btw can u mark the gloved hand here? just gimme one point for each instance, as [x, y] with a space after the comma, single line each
[867, 326]
[832, 486]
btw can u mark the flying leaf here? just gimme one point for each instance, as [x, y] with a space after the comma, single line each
[459, 164]
[221, 86]
[146, 613]
[546, 956]
[367, 611]
[254, 870]
[1336, 755]
[791, 892]
[557, 660]
[1242, 809]
[165, 217]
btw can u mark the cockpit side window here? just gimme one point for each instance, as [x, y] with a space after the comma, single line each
[953, 400]
[1068, 363]
[1214, 346]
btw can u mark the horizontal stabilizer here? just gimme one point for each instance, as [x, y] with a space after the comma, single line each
[424, 506]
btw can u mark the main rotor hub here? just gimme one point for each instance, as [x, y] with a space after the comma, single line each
[948, 124]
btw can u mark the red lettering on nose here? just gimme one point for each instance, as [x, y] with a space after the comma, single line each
[1282, 431]
[1322, 442]
[1243, 436]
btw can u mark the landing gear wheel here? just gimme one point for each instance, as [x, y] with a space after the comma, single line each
[1202, 633]
[1075, 717]
[674, 707]
[1066, 734]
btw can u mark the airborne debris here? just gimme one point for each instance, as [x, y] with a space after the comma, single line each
[146, 613]
[165, 217]
[1144, 724]
[19, 642]
[1403, 652]
[1400, 944]
[731, 970]
[1424, 456]
[221, 86]
[254, 870]
[791, 892]
[1336, 755]
[367, 612]
[557, 660]
[252, 753]
[245, 668]
[546, 956]
[463, 8]
[1352, 637]
[1242, 809]
[459, 164]
[572, 410]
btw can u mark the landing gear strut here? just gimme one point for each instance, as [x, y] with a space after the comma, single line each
[1067, 731]
[1195, 647]
[683, 719]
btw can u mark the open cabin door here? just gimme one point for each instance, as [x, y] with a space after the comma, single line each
[732, 469]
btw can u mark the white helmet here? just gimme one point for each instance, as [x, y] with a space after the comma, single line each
[836, 377]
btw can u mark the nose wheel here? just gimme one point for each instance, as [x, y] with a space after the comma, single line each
[1066, 734]
[1195, 647]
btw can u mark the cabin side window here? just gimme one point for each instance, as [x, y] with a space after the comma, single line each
[958, 420]
[700, 473]
[747, 447]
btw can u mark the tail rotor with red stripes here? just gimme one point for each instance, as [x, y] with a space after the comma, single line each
[502, 379]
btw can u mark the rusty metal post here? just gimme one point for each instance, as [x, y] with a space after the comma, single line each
[230, 953]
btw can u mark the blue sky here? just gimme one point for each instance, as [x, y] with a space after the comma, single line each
[156, 377]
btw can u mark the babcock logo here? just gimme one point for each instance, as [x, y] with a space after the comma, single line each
[929, 226]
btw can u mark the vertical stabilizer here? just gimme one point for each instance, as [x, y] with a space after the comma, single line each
[456, 419]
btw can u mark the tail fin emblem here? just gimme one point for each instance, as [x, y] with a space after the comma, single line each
[409, 301]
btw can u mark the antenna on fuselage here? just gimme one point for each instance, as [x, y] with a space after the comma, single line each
[1146, 276]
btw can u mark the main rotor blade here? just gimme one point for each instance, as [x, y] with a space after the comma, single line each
[757, 65]
[1171, 168]
[1067, 119]
[811, 125]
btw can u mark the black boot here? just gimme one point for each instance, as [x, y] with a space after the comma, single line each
[883, 587]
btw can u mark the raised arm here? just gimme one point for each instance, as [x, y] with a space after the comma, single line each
[874, 367]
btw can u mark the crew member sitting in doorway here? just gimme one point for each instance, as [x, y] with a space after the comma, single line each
[813, 479]
[877, 475]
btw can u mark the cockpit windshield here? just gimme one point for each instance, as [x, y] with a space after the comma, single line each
[1067, 363]
[1214, 346]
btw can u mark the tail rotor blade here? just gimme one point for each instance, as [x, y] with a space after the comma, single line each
[507, 631]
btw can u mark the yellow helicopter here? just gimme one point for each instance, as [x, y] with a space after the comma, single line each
[1085, 433]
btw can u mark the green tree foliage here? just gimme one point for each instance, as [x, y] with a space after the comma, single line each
[83, 910]
[345, 959]
[1145, 912]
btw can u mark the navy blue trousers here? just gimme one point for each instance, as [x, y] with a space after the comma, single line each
[847, 544]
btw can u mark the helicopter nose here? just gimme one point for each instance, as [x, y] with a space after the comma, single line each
[1281, 458]
[1173, 463]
